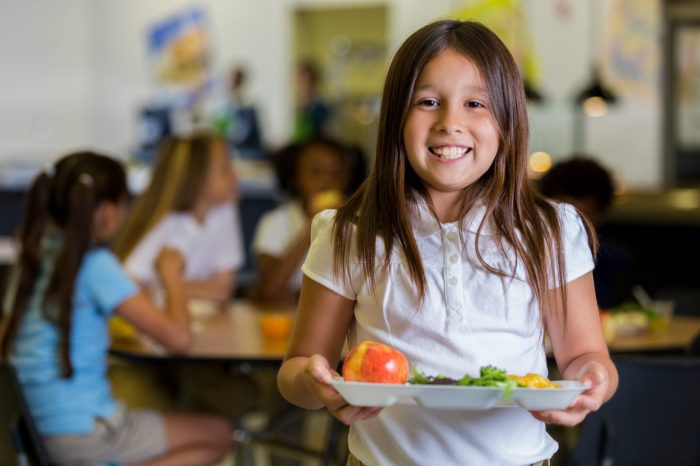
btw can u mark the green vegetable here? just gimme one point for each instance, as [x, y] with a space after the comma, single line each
[489, 376]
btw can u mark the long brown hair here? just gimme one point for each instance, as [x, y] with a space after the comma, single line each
[176, 183]
[65, 200]
[521, 218]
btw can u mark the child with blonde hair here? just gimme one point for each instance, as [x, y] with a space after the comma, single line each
[189, 206]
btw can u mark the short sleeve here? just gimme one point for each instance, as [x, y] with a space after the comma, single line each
[139, 265]
[104, 280]
[228, 239]
[318, 265]
[273, 233]
[578, 258]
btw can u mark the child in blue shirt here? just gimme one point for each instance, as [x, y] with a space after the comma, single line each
[64, 289]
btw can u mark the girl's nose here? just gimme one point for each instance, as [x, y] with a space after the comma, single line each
[450, 120]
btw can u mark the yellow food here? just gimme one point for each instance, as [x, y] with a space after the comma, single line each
[330, 199]
[121, 329]
[532, 381]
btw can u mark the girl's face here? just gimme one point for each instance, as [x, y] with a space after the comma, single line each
[450, 135]
[221, 184]
[320, 169]
[108, 219]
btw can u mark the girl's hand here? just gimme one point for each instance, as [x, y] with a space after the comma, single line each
[170, 264]
[594, 376]
[317, 376]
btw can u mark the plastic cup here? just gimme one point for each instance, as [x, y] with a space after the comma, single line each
[276, 325]
[664, 311]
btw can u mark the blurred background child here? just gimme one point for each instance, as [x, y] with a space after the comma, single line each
[189, 205]
[585, 183]
[313, 115]
[66, 286]
[317, 175]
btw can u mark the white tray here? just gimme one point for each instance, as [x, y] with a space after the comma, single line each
[457, 397]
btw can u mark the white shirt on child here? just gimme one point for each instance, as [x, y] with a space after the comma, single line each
[277, 230]
[469, 318]
[209, 247]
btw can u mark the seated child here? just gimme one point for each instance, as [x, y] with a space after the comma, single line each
[65, 287]
[189, 206]
[589, 186]
[317, 175]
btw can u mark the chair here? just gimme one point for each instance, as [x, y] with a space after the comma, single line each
[653, 419]
[20, 443]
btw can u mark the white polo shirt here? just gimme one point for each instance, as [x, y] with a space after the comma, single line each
[277, 229]
[469, 318]
[209, 247]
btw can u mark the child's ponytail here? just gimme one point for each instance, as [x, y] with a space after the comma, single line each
[77, 234]
[29, 259]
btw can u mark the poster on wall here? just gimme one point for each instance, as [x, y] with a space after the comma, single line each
[507, 19]
[687, 65]
[179, 56]
[632, 47]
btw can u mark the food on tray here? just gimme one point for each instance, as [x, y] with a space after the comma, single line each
[489, 376]
[375, 362]
[532, 381]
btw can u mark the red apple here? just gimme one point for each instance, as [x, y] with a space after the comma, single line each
[375, 362]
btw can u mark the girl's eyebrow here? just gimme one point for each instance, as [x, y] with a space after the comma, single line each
[428, 87]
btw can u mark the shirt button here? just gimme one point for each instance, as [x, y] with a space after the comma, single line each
[452, 236]
[452, 281]
[453, 258]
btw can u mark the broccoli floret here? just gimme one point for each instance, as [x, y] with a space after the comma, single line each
[492, 373]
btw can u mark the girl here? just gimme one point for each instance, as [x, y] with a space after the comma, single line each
[66, 286]
[446, 254]
[187, 206]
[316, 174]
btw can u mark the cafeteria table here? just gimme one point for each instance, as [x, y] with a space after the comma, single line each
[233, 336]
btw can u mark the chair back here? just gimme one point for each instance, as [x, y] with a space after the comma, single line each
[20, 443]
[653, 419]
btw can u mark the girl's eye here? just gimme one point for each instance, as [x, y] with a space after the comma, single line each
[475, 104]
[428, 103]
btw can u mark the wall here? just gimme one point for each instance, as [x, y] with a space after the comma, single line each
[75, 73]
[45, 78]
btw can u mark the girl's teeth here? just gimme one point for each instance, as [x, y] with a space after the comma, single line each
[449, 153]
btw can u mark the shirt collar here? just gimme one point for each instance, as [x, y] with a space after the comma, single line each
[424, 223]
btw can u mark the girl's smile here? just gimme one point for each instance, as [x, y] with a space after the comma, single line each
[448, 153]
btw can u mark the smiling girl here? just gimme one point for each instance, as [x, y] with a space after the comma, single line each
[448, 255]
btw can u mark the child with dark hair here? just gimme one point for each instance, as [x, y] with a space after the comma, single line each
[317, 175]
[447, 254]
[583, 182]
[65, 287]
[586, 184]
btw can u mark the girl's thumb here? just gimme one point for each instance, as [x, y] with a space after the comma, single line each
[319, 369]
[595, 377]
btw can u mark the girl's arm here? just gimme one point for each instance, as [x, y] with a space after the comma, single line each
[171, 326]
[219, 288]
[317, 340]
[276, 271]
[579, 349]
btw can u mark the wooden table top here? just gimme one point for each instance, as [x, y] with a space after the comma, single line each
[234, 335]
[677, 336]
